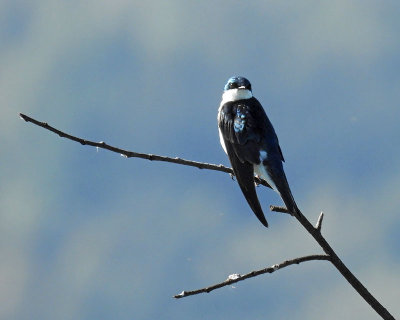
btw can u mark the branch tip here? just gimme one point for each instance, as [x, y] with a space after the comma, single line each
[180, 295]
[318, 226]
[279, 209]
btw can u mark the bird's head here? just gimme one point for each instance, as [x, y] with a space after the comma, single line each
[237, 88]
[238, 83]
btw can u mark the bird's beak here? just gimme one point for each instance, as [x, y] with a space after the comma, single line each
[242, 87]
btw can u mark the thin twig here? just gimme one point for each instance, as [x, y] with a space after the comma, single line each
[279, 209]
[131, 154]
[318, 226]
[237, 277]
[316, 234]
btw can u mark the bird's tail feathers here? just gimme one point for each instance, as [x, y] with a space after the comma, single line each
[249, 192]
[245, 179]
[288, 199]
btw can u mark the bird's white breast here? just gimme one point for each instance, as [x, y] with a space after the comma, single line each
[235, 94]
[221, 140]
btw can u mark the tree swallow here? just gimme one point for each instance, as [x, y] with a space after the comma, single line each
[249, 139]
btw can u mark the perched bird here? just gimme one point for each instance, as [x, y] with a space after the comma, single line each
[249, 139]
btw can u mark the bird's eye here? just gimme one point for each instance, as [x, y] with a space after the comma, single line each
[233, 85]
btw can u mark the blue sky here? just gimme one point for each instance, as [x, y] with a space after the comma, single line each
[87, 234]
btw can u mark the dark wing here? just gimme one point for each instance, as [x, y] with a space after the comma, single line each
[240, 125]
[242, 139]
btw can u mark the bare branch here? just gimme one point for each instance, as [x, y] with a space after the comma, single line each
[342, 268]
[315, 233]
[318, 226]
[131, 154]
[237, 277]
[279, 209]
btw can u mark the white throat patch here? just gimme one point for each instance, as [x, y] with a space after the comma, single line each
[235, 94]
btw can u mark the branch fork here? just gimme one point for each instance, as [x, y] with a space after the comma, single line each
[315, 232]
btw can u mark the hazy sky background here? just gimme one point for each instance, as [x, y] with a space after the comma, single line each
[87, 234]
